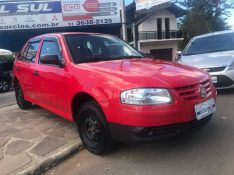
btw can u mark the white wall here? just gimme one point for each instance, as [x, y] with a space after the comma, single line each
[151, 23]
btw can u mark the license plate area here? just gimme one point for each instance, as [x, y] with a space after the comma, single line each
[205, 108]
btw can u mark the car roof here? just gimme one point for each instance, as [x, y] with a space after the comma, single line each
[65, 33]
[214, 33]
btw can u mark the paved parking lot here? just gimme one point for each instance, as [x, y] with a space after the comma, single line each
[209, 151]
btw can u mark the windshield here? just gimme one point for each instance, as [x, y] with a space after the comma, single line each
[215, 43]
[90, 48]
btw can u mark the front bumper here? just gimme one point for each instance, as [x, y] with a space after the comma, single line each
[135, 134]
[180, 111]
[225, 79]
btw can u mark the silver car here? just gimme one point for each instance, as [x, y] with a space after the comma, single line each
[214, 53]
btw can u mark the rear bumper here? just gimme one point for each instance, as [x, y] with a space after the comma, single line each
[135, 134]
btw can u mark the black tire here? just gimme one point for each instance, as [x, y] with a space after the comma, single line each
[5, 85]
[22, 103]
[93, 129]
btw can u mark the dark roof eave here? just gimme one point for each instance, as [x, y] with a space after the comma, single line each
[173, 8]
[178, 11]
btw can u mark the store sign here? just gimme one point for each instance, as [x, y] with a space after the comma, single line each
[19, 15]
[147, 4]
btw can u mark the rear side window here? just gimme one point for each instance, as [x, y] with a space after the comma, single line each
[32, 51]
[29, 54]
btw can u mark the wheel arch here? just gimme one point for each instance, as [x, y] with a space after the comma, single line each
[15, 80]
[79, 100]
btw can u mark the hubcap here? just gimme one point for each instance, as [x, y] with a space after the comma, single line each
[3, 85]
[91, 127]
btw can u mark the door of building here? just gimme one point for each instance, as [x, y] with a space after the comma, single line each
[163, 54]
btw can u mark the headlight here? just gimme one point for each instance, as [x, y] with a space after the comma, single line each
[146, 96]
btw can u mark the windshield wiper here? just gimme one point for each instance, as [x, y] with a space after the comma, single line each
[106, 58]
[94, 59]
[128, 57]
[100, 58]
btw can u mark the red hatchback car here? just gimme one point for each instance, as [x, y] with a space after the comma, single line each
[110, 89]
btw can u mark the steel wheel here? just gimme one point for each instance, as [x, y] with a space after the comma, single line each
[19, 96]
[22, 103]
[93, 129]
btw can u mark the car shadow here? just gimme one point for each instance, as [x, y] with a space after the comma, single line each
[208, 137]
[154, 146]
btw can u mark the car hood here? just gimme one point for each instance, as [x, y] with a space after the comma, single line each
[132, 73]
[217, 59]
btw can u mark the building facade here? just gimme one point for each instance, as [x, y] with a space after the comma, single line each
[156, 30]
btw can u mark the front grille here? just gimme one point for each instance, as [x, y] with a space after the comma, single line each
[192, 92]
[215, 69]
[223, 81]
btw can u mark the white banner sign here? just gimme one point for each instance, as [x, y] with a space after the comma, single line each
[147, 4]
[19, 15]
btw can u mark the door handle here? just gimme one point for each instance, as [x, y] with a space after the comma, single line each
[36, 73]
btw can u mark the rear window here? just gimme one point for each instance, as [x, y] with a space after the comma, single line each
[215, 43]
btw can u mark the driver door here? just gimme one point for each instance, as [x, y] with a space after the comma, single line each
[49, 79]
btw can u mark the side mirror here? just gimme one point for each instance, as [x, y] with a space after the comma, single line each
[52, 60]
[178, 57]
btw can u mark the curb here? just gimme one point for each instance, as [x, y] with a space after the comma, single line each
[7, 105]
[53, 160]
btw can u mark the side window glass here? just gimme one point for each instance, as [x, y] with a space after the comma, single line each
[24, 54]
[32, 51]
[49, 48]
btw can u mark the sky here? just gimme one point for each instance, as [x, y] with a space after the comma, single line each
[230, 20]
[128, 1]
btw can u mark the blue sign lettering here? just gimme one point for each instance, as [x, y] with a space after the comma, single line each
[31, 7]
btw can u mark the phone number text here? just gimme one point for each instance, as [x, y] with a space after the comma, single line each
[90, 22]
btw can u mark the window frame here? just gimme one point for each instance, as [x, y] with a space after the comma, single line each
[25, 50]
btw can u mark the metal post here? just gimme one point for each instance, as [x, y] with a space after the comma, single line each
[124, 25]
[134, 33]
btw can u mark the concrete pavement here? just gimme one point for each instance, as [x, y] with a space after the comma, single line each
[7, 98]
[33, 140]
[209, 151]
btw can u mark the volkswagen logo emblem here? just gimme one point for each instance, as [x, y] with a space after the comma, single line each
[203, 91]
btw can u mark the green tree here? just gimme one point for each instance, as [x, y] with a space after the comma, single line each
[203, 16]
